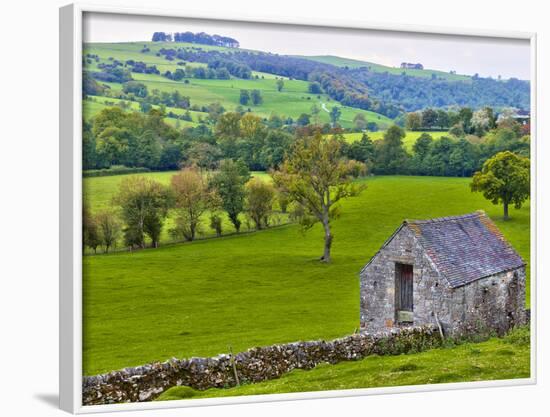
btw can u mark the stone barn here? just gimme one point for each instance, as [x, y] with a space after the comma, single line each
[458, 273]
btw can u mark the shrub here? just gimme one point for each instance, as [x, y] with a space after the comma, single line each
[356, 169]
[520, 336]
[216, 224]
[113, 170]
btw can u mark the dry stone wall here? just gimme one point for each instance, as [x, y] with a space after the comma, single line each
[145, 383]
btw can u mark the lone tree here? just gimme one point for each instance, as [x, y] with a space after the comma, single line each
[259, 201]
[335, 114]
[244, 97]
[256, 97]
[90, 230]
[505, 179]
[280, 84]
[192, 199]
[109, 228]
[229, 183]
[316, 177]
[145, 205]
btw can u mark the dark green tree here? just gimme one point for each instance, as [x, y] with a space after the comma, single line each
[463, 159]
[335, 114]
[144, 203]
[421, 149]
[136, 88]
[465, 115]
[229, 182]
[391, 156]
[505, 178]
[244, 97]
[438, 159]
[314, 88]
[256, 96]
[303, 120]
[90, 230]
[362, 150]
[109, 228]
[429, 118]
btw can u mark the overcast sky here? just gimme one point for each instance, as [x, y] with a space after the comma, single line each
[465, 55]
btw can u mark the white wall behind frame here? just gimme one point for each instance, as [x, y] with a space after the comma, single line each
[29, 297]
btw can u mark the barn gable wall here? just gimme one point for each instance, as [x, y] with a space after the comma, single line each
[377, 290]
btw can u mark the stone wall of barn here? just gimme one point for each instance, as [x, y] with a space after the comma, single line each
[493, 304]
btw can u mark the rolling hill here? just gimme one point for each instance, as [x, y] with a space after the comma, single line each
[379, 92]
[291, 101]
[371, 66]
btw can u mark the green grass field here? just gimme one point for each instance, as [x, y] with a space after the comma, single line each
[408, 141]
[95, 104]
[292, 101]
[98, 194]
[354, 63]
[495, 359]
[256, 289]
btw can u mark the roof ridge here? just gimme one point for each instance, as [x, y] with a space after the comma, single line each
[477, 213]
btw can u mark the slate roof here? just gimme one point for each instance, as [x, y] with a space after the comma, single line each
[465, 248]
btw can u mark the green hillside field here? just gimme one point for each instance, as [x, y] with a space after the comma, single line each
[200, 298]
[100, 191]
[408, 141]
[95, 104]
[292, 101]
[354, 63]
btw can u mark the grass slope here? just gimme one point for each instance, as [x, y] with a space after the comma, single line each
[292, 101]
[257, 289]
[495, 359]
[408, 141]
[95, 104]
[354, 63]
[99, 193]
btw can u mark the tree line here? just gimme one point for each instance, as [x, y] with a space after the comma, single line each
[132, 139]
[448, 156]
[313, 178]
[309, 193]
[199, 38]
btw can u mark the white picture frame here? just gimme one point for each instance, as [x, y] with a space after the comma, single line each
[70, 284]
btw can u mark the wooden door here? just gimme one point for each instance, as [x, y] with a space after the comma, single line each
[405, 285]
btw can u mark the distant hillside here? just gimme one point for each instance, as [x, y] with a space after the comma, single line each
[212, 73]
[293, 99]
[354, 63]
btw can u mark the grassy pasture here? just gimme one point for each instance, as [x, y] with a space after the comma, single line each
[95, 104]
[494, 359]
[354, 63]
[92, 108]
[197, 299]
[408, 141]
[100, 191]
[292, 101]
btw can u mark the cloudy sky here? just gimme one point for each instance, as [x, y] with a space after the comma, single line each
[466, 55]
